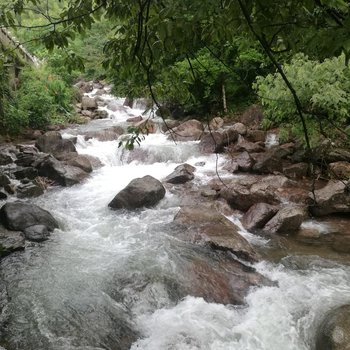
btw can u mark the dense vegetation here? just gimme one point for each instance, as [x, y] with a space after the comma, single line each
[201, 57]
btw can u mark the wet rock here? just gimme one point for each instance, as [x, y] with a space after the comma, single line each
[103, 135]
[3, 195]
[27, 172]
[334, 331]
[250, 147]
[242, 197]
[140, 192]
[63, 174]
[216, 123]
[266, 163]
[240, 128]
[94, 161]
[146, 126]
[258, 215]
[296, 171]
[89, 103]
[77, 160]
[340, 170]
[101, 114]
[287, 220]
[190, 130]
[128, 102]
[10, 241]
[52, 142]
[215, 141]
[206, 225]
[333, 198]
[31, 189]
[18, 216]
[4, 180]
[181, 174]
[256, 136]
[5, 158]
[208, 193]
[244, 161]
[37, 233]
[134, 119]
[84, 86]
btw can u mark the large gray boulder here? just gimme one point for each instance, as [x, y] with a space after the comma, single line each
[207, 225]
[181, 174]
[190, 130]
[88, 103]
[287, 220]
[334, 331]
[52, 142]
[141, 192]
[61, 173]
[258, 215]
[18, 216]
[333, 198]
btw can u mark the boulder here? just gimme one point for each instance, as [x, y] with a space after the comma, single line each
[52, 142]
[241, 197]
[258, 215]
[333, 198]
[296, 171]
[244, 161]
[266, 163]
[63, 174]
[146, 126]
[256, 135]
[287, 220]
[140, 192]
[216, 123]
[101, 114]
[340, 170]
[37, 233]
[214, 142]
[190, 130]
[334, 331]
[115, 106]
[25, 173]
[169, 124]
[85, 86]
[181, 174]
[240, 128]
[134, 119]
[250, 147]
[5, 158]
[18, 216]
[89, 103]
[10, 241]
[3, 195]
[4, 180]
[207, 225]
[31, 189]
[252, 117]
[77, 160]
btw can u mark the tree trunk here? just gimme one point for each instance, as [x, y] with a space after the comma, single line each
[224, 103]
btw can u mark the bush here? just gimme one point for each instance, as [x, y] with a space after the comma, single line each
[43, 97]
[324, 92]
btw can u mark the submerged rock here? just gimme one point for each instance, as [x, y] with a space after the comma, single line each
[141, 192]
[18, 216]
[209, 226]
[334, 331]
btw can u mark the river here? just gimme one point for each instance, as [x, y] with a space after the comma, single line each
[111, 279]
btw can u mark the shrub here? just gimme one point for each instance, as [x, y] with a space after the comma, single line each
[323, 89]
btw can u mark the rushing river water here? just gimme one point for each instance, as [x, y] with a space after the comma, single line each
[111, 280]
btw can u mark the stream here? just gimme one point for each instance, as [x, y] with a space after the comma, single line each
[111, 279]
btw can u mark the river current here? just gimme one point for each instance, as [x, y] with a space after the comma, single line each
[110, 279]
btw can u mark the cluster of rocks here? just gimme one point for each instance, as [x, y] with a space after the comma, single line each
[26, 170]
[20, 221]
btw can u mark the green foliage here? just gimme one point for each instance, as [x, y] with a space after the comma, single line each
[43, 96]
[323, 89]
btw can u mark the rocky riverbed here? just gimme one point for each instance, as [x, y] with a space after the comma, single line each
[206, 220]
